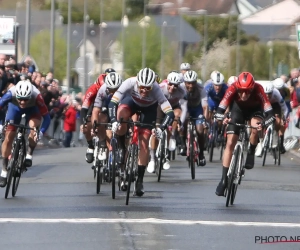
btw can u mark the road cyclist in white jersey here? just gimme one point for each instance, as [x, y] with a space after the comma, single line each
[141, 93]
[175, 94]
[280, 110]
[197, 107]
[100, 111]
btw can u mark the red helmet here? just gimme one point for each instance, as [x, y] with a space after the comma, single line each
[245, 81]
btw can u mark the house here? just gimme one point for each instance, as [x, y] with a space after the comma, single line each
[275, 22]
[213, 7]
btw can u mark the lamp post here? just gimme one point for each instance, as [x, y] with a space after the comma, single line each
[237, 69]
[27, 28]
[85, 19]
[270, 45]
[203, 68]
[162, 52]
[69, 47]
[125, 23]
[52, 36]
[144, 24]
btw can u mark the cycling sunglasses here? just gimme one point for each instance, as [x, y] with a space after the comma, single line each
[175, 86]
[246, 91]
[145, 88]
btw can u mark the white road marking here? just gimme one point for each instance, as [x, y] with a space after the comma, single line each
[150, 220]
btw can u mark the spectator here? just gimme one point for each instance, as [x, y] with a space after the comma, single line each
[294, 74]
[295, 94]
[70, 123]
[2, 60]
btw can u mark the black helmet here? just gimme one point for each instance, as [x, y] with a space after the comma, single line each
[109, 70]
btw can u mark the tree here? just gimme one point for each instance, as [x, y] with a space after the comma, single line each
[40, 47]
[134, 48]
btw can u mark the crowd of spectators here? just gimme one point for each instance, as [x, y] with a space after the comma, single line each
[62, 108]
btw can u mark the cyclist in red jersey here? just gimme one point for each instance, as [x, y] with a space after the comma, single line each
[247, 101]
[86, 110]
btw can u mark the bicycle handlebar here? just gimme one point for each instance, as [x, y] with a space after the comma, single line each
[243, 125]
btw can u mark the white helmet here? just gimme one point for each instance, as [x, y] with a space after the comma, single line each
[113, 80]
[231, 80]
[24, 89]
[185, 66]
[146, 77]
[190, 76]
[268, 87]
[174, 78]
[217, 78]
[278, 83]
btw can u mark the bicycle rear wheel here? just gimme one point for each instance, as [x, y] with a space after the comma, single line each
[11, 168]
[114, 149]
[266, 148]
[232, 175]
[18, 169]
[277, 150]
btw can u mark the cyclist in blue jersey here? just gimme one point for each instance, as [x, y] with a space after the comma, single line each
[215, 91]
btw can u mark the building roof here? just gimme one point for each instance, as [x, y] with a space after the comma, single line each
[212, 6]
[188, 33]
[267, 32]
[282, 13]
[260, 4]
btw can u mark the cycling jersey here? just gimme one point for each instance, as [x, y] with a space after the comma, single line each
[176, 98]
[214, 98]
[257, 98]
[277, 98]
[90, 96]
[34, 104]
[196, 97]
[103, 97]
[129, 88]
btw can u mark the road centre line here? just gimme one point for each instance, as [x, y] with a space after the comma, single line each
[150, 220]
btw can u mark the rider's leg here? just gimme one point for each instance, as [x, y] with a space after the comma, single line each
[201, 141]
[32, 140]
[254, 138]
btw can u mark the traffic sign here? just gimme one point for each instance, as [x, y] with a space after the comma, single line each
[298, 36]
[79, 65]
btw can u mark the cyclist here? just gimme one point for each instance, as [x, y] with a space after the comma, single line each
[197, 107]
[231, 80]
[284, 91]
[24, 98]
[215, 92]
[247, 101]
[100, 110]
[280, 110]
[184, 67]
[86, 109]
[175, 95]
[140, 93]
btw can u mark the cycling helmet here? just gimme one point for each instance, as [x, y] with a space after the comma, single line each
[268, 87]
[174, 78]
[278, 83]
[231, 80]
[109, 70]
[23, 89]
[146, 77]
[113, 80]
[245, 81]
[217, 78]
[185, 66]
[190, 76]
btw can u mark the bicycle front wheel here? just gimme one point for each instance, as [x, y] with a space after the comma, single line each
[18, 169]
[130, 169]
[191, 155]
[113, 167]
[266, 147]
[12, 168]
[161, 156]
[232, 175]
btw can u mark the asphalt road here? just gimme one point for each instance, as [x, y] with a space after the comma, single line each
[57, 207]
